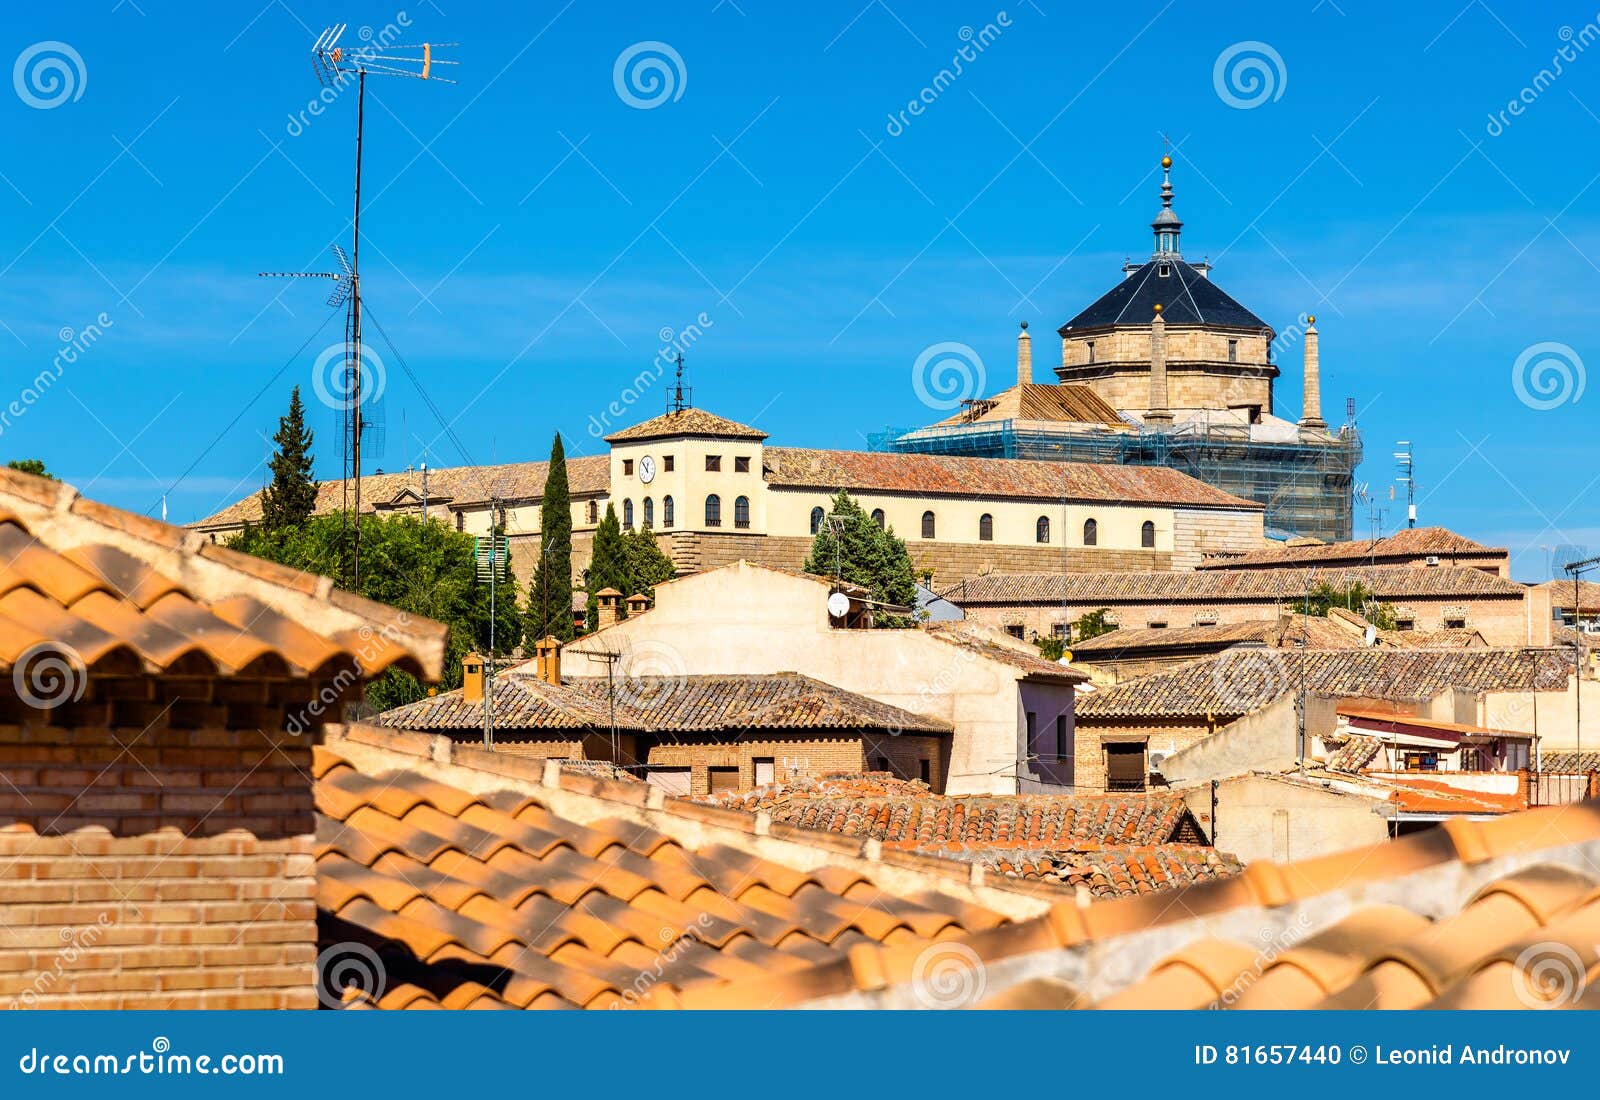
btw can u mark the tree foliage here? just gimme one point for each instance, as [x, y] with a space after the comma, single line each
[550, 593]
[1092, 625]
[419, 566]
[1357, 598]
[648, 564]
[34, 466]
[608, 566]
[291, 496]
[851, 545]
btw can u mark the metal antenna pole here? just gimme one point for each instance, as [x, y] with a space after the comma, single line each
[354, 365]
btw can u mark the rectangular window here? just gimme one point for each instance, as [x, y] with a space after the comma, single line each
[925, 770]
[741, 464]
[1033, 730]
[1125, 767]
[1233, 351]
[713, 463]
[1453, 622]
[627, 467]
[763, 766]
[1090, 345]
[724, 780]
[1014, 631]
[880, 763]
[1157, 624]
[666, 463]
[1062, 751]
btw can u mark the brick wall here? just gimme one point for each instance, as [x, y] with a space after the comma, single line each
[159, 921]
[1091, 737]
[157, 864]
[817, 756]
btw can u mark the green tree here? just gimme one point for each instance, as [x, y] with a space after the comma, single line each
[1052, 648]
[418, 566]
[648, 564]
[34, 466]
[851, 545]
[1092, 625]
[550, 594]
[1357, 598]
[291, 496]
[608, 566]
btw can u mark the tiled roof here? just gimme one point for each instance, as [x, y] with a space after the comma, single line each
[662, 704]
[686, 422]
[586, 893]
[774, 796]
[129, 596]
[452, 485]
[1283, 585]
[1561, 595]
[1119, 871]
[1409, 542]
[950, 475]
[1498, 913]
[1301, 631]
[1073, 404]
[983, 822]
[1238, 681]
[999, 646]
[1185, 295]
[1569, 761]
[1130, 639]
[1356, 753]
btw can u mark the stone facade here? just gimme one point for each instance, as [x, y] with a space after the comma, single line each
[1207, 368]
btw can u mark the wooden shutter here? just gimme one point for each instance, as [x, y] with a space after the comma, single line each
[724, 780]
[1125, 767]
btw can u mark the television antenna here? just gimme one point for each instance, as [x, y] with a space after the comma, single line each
[335, 64]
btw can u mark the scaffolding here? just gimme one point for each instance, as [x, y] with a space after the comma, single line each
[1308, 487]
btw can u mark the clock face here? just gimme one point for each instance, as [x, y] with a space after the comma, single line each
[647, 469]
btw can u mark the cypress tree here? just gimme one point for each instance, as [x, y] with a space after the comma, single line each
[550, 595]
[290, 498]
[864, 554]
[608, 565]
[648, 564]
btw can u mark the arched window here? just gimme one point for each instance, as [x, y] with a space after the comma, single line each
[927, 525]
[1041, 530]
[713, 511]
[986, 528]
[1147, 535]
[627, 514]
[878, 518]
[649, 512]
[741, 512]
[594, 511]
[666, 512]
[1091, 533]
[816, 520]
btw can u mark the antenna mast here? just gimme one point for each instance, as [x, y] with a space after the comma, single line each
[334, 65]
[1407, 467]
[677, 402]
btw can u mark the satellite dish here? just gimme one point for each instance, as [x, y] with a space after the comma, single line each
[1371, 634]
[1066, 656]
[838, 605]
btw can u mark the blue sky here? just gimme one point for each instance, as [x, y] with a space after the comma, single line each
[529, 232]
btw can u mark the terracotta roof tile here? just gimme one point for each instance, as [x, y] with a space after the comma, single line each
[1239, 681]
[951, 475]
[1408, 543]
[126, 595]
[470, 906]
[1231, 585]
[691, 422]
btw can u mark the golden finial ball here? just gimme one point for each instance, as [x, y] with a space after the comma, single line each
[1158, 307]
[1166, 162]
[1311, 319]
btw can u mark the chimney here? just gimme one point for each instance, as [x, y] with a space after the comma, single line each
[1024, 357]
[547, 654]
[1311, 411]
[472, 678]
[1158, 415]
[638, 604]
[607, 600]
